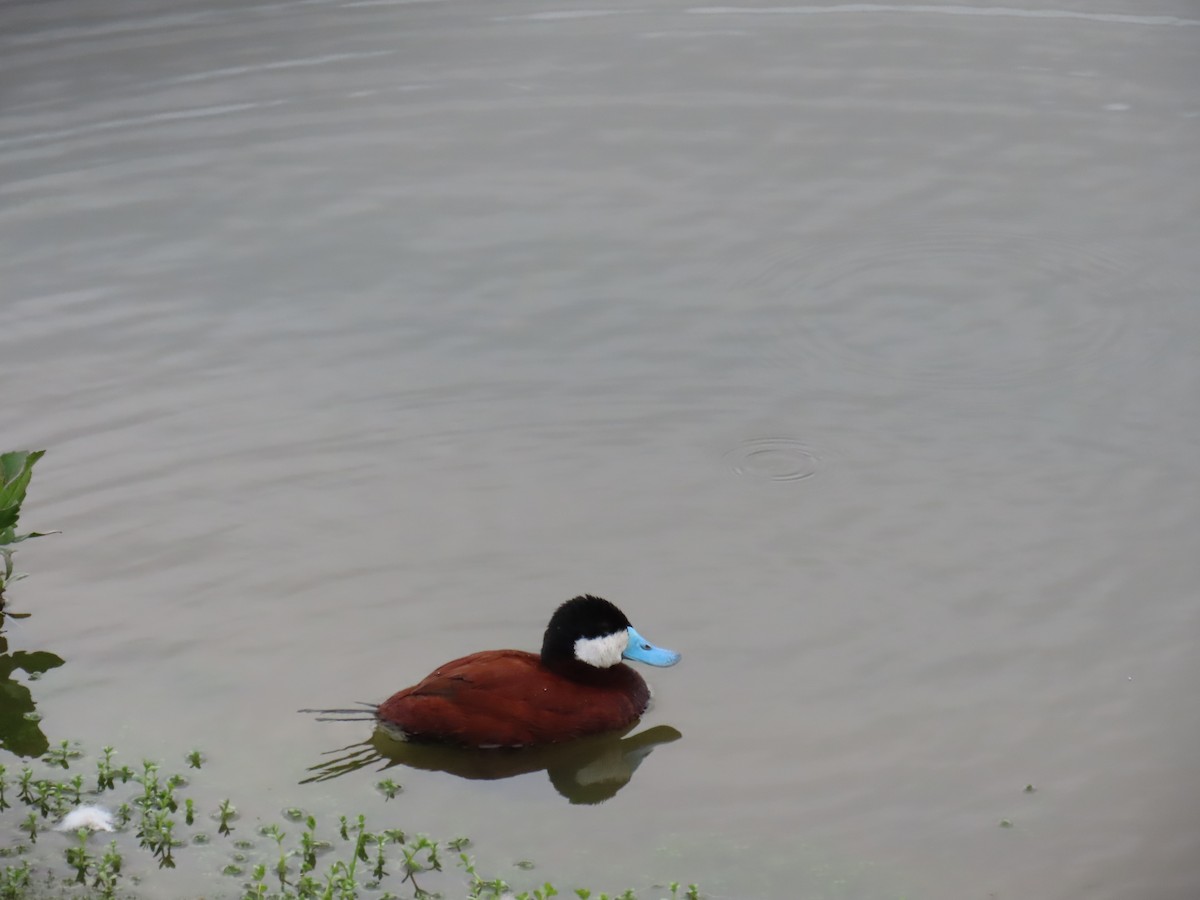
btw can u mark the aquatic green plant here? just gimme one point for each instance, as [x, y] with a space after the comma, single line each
[20, 728]
[16, 471]
[295, 859]
[20, 723]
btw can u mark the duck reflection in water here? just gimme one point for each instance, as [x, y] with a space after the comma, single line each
[586, 771]
[497, 701]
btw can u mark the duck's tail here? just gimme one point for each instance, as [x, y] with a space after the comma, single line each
[354, 714]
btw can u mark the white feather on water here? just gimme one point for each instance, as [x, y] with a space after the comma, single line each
[88, 816]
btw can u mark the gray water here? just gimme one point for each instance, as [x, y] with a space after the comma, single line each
[850, 348]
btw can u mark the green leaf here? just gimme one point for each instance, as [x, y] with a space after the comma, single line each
[16, 462]
[17, 538]
[37, 662]
[16, 469]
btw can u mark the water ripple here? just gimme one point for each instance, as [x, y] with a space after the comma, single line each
[276, 65]
[773, 459]
[121, 124]
[950, 309]
[983, 11]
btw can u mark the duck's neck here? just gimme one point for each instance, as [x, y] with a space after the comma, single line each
[575, 670]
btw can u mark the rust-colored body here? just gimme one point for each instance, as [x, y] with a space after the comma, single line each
[510, 698]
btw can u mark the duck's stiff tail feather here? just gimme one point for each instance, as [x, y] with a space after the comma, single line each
[354, 714]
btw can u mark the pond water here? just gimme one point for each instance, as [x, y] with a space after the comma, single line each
[850, 348]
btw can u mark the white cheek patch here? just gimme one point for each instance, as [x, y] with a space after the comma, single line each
[602, 652]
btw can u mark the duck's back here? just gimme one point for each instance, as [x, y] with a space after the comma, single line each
[508, 698]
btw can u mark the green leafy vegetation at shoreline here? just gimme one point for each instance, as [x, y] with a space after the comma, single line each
[152, 819]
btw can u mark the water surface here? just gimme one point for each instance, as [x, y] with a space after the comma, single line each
[850, 348]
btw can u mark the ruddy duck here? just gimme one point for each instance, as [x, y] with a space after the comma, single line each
[578, 686]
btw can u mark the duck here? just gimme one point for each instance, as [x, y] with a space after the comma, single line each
[576, 687]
